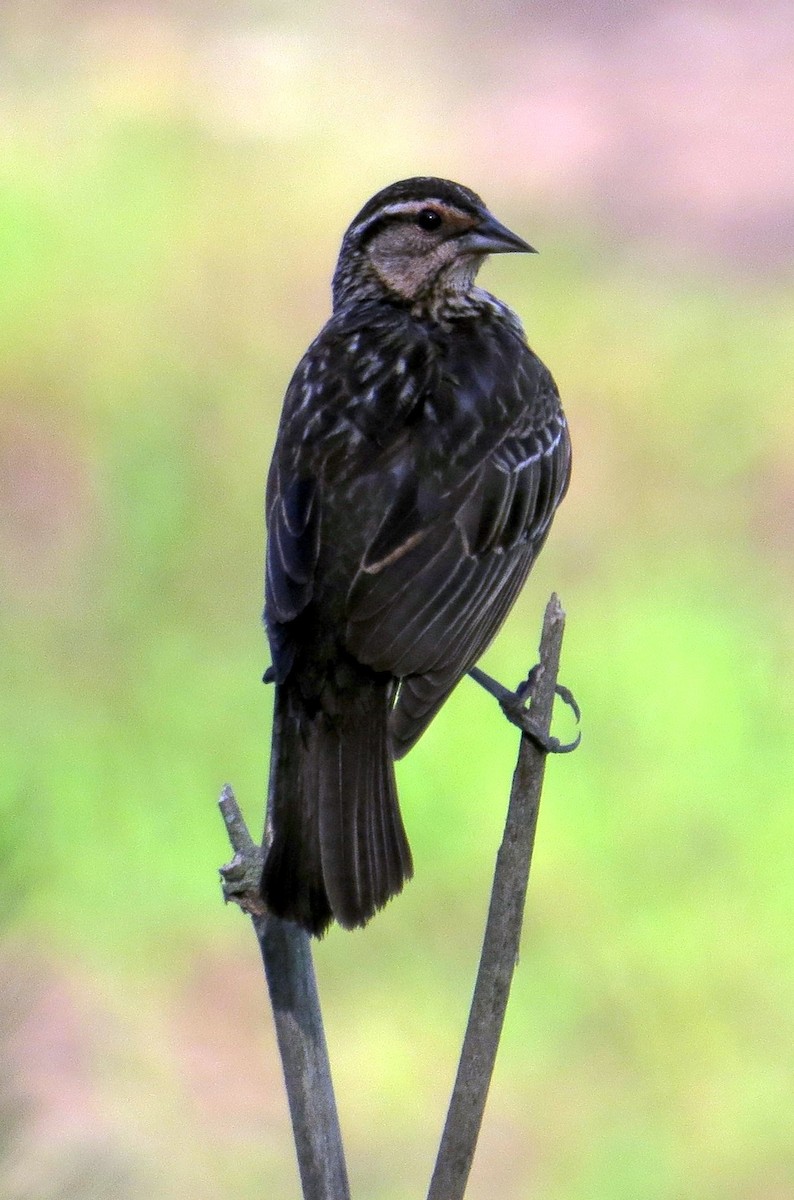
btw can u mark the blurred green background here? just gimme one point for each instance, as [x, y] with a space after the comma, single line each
[174, 182]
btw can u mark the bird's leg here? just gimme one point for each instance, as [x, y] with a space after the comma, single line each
[513, 706]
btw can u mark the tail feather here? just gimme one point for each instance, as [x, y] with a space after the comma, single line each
[338, 847]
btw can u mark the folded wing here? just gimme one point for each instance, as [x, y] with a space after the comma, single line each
[428, 603]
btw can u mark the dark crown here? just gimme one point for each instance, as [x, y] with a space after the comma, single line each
[421, 187]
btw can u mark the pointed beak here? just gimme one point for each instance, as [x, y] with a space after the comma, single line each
[492, 237]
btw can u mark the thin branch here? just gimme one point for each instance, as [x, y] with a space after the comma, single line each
[287, 959]
[502, 933]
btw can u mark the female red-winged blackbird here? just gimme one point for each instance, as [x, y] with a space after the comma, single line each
[420, 458]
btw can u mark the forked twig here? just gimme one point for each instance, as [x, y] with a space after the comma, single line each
[286, 955]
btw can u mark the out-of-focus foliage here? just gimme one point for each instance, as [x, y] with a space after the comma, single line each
[164, 265]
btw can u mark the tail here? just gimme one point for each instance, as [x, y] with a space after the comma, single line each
[338, 848]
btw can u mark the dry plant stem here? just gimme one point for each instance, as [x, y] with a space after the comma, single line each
[287, 959]
[502, 933]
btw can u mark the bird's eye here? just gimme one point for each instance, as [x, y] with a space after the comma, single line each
[428, 219]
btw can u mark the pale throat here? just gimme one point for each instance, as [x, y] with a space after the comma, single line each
[410, 278]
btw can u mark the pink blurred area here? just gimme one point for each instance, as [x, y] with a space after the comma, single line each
[667, 121]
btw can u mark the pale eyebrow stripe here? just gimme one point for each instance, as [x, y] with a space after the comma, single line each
[402, 208]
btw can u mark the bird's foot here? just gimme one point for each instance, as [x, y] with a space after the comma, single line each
[269, 675]
[513, 705]
[524, 690]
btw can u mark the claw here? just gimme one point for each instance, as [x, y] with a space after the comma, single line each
[567, 697]
[545, 742]
[525, 687]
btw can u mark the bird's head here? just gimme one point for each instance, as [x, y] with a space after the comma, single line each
[419, 239]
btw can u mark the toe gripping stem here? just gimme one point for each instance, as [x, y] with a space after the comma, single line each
[513, 705]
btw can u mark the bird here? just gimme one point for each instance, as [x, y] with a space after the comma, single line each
[421, 454]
